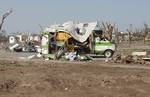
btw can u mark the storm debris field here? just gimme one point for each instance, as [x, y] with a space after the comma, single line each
[74, 60]
[124, 75]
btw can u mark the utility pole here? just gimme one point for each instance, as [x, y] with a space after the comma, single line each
[4, 16]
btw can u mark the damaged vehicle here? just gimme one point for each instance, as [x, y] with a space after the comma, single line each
[72, 41]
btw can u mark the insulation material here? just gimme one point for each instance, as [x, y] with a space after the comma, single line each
[84, 31]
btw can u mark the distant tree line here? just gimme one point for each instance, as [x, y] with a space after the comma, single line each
[131, 34]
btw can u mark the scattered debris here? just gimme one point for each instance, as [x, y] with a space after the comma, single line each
[71, 56]
[131, 59]
[13, 47]
[24, 42]
[139, 53]
[39, 55]
[31, 57]
[7, 85]
[117, 58]
[28, 57]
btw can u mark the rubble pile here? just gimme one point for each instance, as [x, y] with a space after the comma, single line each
[130, 59]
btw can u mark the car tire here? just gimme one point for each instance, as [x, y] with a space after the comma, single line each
[108, 53]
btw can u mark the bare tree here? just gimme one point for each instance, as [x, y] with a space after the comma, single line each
[108, 29]
[4, 16]
[137, 34]
[116, 36]
[130, 32]
[145, 30]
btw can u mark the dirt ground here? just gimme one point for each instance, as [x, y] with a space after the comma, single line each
[37, 78]
[84, 79]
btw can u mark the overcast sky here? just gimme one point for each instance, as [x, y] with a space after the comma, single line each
[27, 14]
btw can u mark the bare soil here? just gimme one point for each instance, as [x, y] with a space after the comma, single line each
[84, 79]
